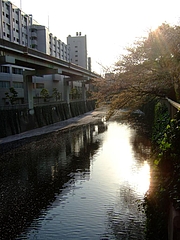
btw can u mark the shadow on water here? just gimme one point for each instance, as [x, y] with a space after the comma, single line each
[33, 175]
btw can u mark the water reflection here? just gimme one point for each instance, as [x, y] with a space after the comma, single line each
[84, 183]
[33, 175]
[124, 164]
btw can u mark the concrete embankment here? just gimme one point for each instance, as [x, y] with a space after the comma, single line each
[9, 142]
[14, 121]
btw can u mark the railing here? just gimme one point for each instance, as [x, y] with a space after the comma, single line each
[173, 107]
[173, 103]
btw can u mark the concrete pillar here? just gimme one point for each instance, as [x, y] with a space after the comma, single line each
[83, 91]
[66, 90]
[28, 91]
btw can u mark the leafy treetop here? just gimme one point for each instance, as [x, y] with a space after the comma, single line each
[150, 69]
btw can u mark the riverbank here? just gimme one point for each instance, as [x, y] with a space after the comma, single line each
[86, 118]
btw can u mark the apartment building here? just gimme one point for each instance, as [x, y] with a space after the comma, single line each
[20, 28]
[78, 49]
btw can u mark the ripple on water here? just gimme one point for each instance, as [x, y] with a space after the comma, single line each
[98, 193]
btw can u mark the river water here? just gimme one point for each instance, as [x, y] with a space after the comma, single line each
[84, 183]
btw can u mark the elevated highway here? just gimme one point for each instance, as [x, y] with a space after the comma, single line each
[41, 64]
[12, 53]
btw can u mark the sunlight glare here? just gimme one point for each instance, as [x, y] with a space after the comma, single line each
[120, 161]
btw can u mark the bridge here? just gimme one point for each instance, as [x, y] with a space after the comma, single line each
[41, 64]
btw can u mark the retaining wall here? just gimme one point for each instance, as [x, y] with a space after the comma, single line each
[16, 121]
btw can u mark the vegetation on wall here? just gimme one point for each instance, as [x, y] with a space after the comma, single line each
[165, 180]
[11, 95]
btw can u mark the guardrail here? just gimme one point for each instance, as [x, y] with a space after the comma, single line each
[173, 107]
[173, 103]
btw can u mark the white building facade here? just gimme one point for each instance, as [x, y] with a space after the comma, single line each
[78, 49]
[20, 28]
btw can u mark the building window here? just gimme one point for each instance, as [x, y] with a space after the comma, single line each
[33, 30]
[18, 84]
[4, 84]
[39, 85]
[8, 26]
[5, 69]
[33, 38]
[7, 7]
[17, 71]
[34, 46]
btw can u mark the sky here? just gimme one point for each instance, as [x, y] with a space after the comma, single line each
[110, 25]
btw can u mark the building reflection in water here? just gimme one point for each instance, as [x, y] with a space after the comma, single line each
[31, 176]
[76, 184]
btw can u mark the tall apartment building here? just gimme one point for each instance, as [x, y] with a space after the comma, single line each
[21, 28]
[78, 49]
[14, 25]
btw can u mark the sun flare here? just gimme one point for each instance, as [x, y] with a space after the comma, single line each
[123, 166]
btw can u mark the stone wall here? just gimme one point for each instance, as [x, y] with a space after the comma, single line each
[16, 121]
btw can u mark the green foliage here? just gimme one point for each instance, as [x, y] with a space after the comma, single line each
[161, 120]
[165, 187]
[11, 95]
[45, 94]
[75, 93]
[56, 94]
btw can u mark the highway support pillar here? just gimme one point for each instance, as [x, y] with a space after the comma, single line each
[66, 90]
[28, 92]
[83, 91]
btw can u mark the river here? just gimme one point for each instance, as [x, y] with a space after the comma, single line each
[82, 183]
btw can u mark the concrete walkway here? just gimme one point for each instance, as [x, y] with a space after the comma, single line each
[69, 123]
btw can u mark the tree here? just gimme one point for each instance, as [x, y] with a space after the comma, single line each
[11, 95]
[56, 94]
[150, 69]
[45, 94]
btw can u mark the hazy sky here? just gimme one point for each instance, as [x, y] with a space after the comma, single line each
[109, 25]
